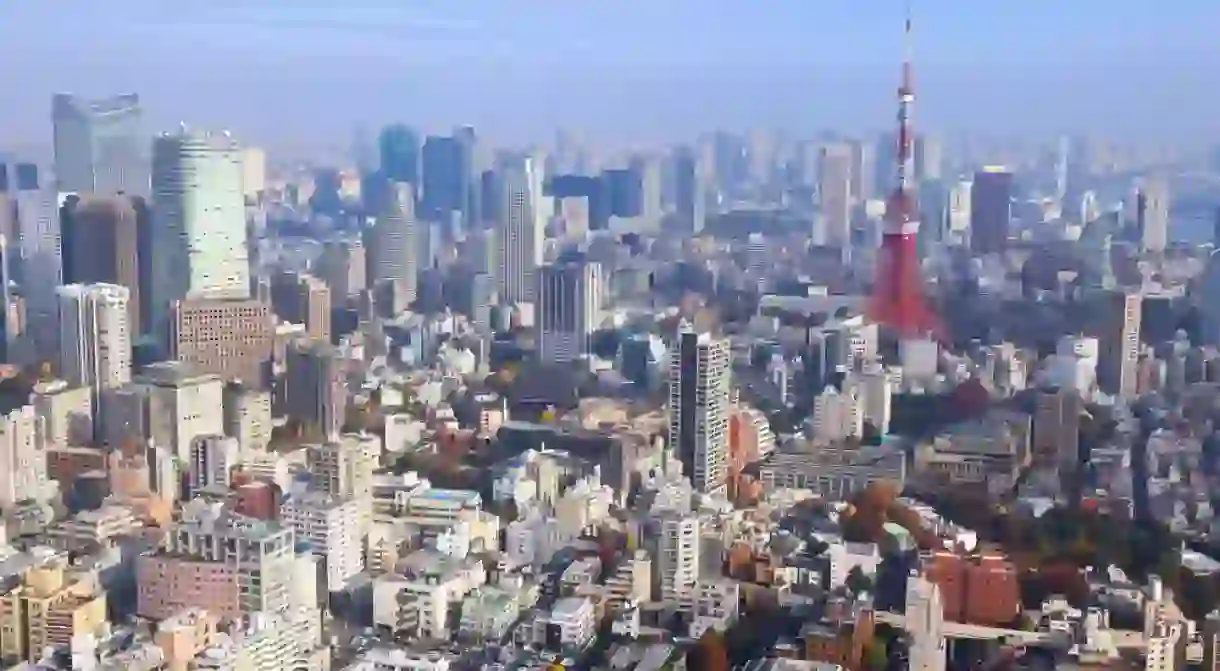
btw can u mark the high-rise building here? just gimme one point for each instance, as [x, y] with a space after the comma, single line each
[688, 190]
[173, 405]
[863, 170]
[834, 192]
[316, 387]
[569, 304]
[647, 171]
[699, 385]
[95, 336]
[442, 178]
[398, 146]
[990, 210]
[957, 213]
[519, 239]
[1056, 441]
[929, 159]
[100, 145]
[302, 299]
[1152, 215]
[229, 338]
[344, 267]
[925, 620]
[678, 553]
[331, 524]
[23, 457]
[38, 265]
[199, 232]
[101, 244]
[391, 245]
[212, 461]
[247, 416]
[1119, 336]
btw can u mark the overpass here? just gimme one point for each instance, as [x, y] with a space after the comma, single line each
[1123, 640]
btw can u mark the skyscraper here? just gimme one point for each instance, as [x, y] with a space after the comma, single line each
[699, 380]
[1152, 215]
[390, 242]
[1119, 336]
[518, 237]
[442, 184]
[863, 170]
[39, 266]
[399, 151]
[569, 303]
[100, 146]
[199, 231]
[834, 190]
[990, 210]
[101, 245]
[647, 172]
[95, 336]
[688, 190]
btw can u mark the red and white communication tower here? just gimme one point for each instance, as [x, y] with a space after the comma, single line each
[897, 301]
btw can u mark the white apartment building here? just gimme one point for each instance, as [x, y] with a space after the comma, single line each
[331, 524]
[716, 605]
[678, 551]
[838, 414]
[23, 458]
[176, 405]
[419, 600]
[569, 625]
[699, 385]
[212, 460]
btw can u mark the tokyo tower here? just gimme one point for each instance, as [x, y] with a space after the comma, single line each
[897, 302]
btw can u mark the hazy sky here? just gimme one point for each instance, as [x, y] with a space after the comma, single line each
[620, 69]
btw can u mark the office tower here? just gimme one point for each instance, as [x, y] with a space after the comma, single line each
[834, 192]
[212, 460]
[990, 210]
[877, 395]
[569, 305]
[1062, 161]
[38, 268]
[100, 145]
[344, 267]
[170, 405]
[519, 240]
[199, 231]
[468, 184]
[442, 180]
[391, 244]
[863, 170]
[1119, 336]
[95, 336]
[229, 338]
[929, 159]
[699, 407]
[254, 173]
[897, 301]
[573, 214]
[399, 150]
[646, 171]
[678, 553]
[101, 244]
[316, 387]
[23, 457]
[689, 199]
[482, 301]
[302, 299]
[1056, 441]
[247, 416]
[1152, 215]
[958, 211]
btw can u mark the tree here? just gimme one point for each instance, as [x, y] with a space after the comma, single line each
[857, 582]
[709, 653]
[875, 656]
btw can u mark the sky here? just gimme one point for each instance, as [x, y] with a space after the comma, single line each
[621, 70]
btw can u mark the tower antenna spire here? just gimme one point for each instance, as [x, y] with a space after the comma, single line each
[898, 300]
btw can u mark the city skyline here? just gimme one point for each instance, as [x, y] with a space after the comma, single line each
[638, 72]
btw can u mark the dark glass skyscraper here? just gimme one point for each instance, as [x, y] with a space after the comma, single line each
[398, 146]
[990, 211]
[688, 190]
[442, 184]
[100, 146]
